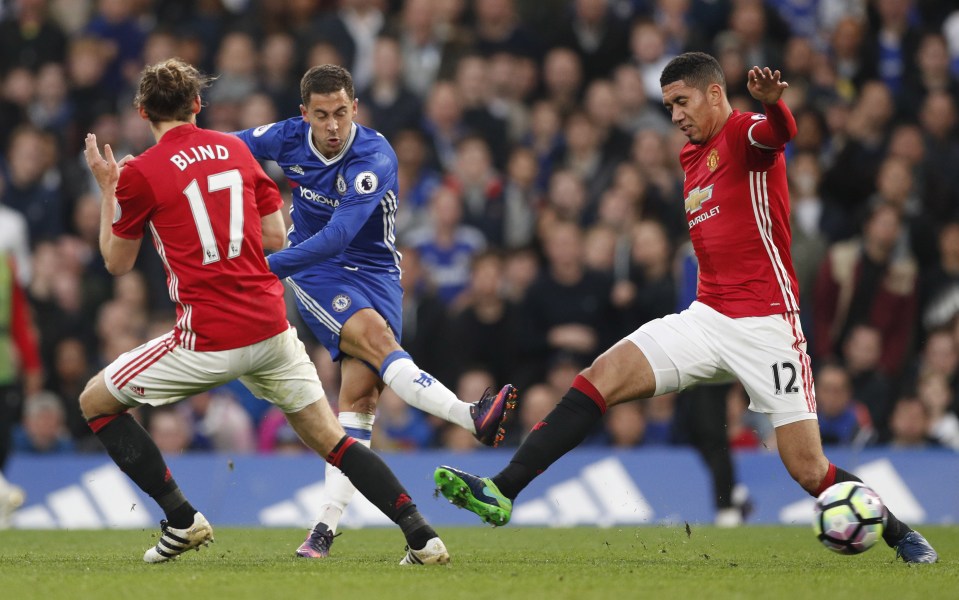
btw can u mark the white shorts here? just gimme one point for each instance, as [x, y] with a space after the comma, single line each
[766, 354]
[160, 372]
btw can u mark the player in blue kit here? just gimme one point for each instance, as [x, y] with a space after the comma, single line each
[344, 269]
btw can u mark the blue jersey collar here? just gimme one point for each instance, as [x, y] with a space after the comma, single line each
[329, 161]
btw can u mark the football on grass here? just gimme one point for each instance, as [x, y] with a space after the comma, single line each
[849, 517]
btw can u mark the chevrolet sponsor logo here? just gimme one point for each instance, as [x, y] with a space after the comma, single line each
[696, 197]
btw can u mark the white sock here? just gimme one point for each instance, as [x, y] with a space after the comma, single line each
[337, 488]
[421, 390]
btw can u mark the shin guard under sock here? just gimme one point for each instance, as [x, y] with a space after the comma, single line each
[134, 451]
[561, 431]
[376, 481]
[894, 530]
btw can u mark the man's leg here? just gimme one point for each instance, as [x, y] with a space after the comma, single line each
[704, 409]
[135, 453]
[11, 496]
[368, 337]
[359, 391]
[800, 448]
[621, 374]
[319, 429]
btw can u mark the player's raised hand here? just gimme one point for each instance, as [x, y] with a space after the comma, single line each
[765, 85]
[105, 168]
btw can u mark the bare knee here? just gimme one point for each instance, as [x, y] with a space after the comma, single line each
[96, 400]
[621, 374]
[809, 476]
[367, 336]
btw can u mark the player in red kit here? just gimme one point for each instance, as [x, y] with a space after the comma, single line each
[211, 211]
[744, 323]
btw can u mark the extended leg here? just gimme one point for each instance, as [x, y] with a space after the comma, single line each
[800, 448]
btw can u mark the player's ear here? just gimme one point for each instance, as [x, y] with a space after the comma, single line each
[715, 93]
[143, 113]
[303, 112]
[197, 103]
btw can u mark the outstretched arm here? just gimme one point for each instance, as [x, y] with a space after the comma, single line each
[780, 126]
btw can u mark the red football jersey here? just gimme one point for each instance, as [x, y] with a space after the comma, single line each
[202, 195]
[737, 208]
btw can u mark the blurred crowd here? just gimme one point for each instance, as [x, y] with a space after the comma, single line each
[540, 196]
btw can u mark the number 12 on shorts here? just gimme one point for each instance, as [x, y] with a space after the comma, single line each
[780, 371]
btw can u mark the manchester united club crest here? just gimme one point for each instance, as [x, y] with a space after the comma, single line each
[340, 184]
[712, 161]
[341, 302]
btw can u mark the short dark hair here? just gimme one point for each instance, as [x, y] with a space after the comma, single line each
[695, 69]
[326, 79]
[168, 88]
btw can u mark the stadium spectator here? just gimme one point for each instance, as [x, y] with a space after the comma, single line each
[522, 198]
[935, 394]
[20, 372]
[866, 281]
[909, 424]
[485, 322]
[29, 38]
[869, 385]
[562, 77]
[417, 180]
[34, 183]
[400, 427]
[599, 38]
[843, 420]
[447, 245]
[173, 431]
[476, 180]
[567, 309]
[15, 238]
[429, 47]
[626, 425]
[426, 320]
[386, 104]
[43, 430]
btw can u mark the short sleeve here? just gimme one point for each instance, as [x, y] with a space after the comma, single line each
[135, 204]
[263, 141]
[371, 177]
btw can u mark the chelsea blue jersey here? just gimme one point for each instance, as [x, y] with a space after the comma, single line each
[344, 208]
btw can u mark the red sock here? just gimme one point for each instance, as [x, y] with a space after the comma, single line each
[827, 481]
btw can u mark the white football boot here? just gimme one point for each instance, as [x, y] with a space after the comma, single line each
[11, 498]
[433, 553]
[174, 542]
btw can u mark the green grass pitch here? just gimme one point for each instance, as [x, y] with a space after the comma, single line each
[487, 564]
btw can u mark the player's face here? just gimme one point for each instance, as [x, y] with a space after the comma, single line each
[691, 110]
[330, 117]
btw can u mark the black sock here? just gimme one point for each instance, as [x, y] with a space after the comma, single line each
[132, 449]
[894, 530]
[372, 478]
[561, 431]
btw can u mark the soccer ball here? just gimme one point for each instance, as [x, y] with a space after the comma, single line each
[849, 517]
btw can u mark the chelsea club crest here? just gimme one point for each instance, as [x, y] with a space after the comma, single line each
[340, 184]
[341, 302]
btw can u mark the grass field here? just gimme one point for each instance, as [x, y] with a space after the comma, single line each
[488, 564]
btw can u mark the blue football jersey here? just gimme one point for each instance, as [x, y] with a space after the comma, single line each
[344, 208]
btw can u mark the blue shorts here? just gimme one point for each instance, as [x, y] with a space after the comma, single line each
[328, 296]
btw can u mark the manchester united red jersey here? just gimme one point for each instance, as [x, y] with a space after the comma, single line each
[202, 195]
[737, 208]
